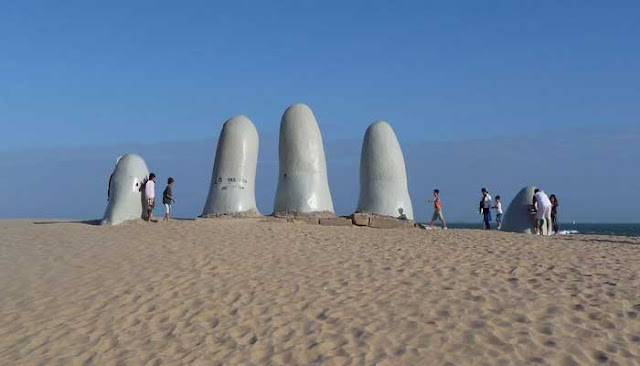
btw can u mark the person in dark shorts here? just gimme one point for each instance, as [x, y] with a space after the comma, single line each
[150, 194]
[554, 213]
[167, 199]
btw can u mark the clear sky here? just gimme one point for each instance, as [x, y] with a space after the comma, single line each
[99, 73]
[500, 94]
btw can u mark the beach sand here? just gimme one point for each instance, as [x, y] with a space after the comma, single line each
[261, 292]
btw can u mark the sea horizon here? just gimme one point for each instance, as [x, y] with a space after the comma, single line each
[616, 229]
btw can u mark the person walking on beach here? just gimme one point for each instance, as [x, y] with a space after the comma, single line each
[543, 210]
[498, 208]
[554, 213]
[485, 208]
[150, 194]
[167, 199]
[437, 209]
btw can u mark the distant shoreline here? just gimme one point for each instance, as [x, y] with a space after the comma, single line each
[616, 229]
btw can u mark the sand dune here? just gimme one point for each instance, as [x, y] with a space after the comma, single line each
[256, 291]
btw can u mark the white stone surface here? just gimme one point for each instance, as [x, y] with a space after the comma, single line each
[518, 218]
[303, 186]
[232, 189]
[126, 201]
[383, 176]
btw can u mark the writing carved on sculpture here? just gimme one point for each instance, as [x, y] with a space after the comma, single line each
[232, 189]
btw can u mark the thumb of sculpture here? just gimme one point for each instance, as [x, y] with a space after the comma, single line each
[383, 177]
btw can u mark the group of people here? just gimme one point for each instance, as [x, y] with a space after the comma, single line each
[545, 208]
[150, 196]
[149, 189]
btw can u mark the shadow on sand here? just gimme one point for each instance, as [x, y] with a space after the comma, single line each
[610, 240]
[84, 222]
[155, 219]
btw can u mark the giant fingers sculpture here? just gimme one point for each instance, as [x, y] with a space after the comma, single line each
[303, 187]
[126, 200]
[232, 189]
[383, 177]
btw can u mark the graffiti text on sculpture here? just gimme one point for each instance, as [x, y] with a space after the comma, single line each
[231, 182]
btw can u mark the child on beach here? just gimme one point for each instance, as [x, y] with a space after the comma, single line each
[167, 199]
[498, 208]
[437, 209]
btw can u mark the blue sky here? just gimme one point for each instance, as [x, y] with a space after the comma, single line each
[85, 73]
[451, 77]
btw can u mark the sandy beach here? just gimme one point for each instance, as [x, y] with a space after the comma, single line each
[261, 292]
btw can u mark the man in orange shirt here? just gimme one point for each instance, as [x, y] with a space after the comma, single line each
[437, 209]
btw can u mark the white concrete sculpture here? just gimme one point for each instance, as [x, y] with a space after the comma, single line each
[303, 186]
[519, 218]
[383, 177]
[232, 189]
[126, 201]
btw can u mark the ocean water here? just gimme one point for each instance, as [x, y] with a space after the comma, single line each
[570, 228]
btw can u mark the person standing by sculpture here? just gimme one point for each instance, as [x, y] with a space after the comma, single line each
[543, 210]
[150, 194]
[485, 208]
[437, 209]
[498, 208]
[167, 199]
[554, 213]
[109, 187]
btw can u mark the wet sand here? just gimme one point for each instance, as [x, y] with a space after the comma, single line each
[260, 292]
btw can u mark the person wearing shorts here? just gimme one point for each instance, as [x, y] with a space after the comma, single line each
[150, 194]
[498, 208]
[437, 209]
[543, 213]
[167, 199]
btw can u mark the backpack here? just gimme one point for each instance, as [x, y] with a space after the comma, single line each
[143, 185]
